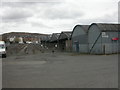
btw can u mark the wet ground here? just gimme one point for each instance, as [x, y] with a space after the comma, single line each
[60, 70]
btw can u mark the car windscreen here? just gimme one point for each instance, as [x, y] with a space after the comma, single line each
[2, 46]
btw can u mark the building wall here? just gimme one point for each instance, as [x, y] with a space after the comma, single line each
[62, 45]
[79, 40]
[65, 45]
[95, 39]
[68, 45]
[119, 42]
[104, 44]
[110, 45]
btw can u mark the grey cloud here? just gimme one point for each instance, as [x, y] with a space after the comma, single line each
[59, 16]
[25, 3]
[46, 1]
[109, 18]
[15, 15]
[53, 13]
[40, 25]
[17, 4]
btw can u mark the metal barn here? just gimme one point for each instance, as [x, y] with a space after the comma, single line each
[80, 39]
[46, 41]
[54, 40]
[65, 41]
[103, 38]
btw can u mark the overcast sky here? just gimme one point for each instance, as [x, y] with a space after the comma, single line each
[54, 16]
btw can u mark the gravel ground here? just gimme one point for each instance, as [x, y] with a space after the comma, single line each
[60, 70]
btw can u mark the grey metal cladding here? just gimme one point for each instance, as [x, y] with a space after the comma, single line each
[108, 27]
[104, 44]
[85, 28]
[65, 35]
[82, 39]
[55, 37]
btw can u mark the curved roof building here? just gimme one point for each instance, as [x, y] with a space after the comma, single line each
[103, 38]
[54, 37]
[65, 41]
[80, 38]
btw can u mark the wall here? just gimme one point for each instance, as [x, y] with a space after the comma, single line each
[68, 45]
[104, 44]
[93, 35]
[110, 45]
[62, 45]
[79, 40]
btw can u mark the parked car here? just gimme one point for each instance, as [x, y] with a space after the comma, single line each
[2, 49]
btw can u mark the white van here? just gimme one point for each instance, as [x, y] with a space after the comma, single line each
[2, 49]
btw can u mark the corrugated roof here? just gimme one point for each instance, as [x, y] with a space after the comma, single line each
[47, 38]
[108, 27]
[66, 34]
[54, 37]
[85, 27]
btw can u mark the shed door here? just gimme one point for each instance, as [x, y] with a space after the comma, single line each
[77, 46]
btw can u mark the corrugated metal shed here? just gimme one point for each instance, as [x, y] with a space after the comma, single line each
[47, 38]
[80, 38]
[103, 38]
[65, 41]
[107, 27]
[55, 37]
[85, 27]
[65, 35]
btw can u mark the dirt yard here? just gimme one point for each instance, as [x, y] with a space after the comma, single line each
[60, 70]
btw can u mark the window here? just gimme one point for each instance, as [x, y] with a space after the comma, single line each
[2, 46]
